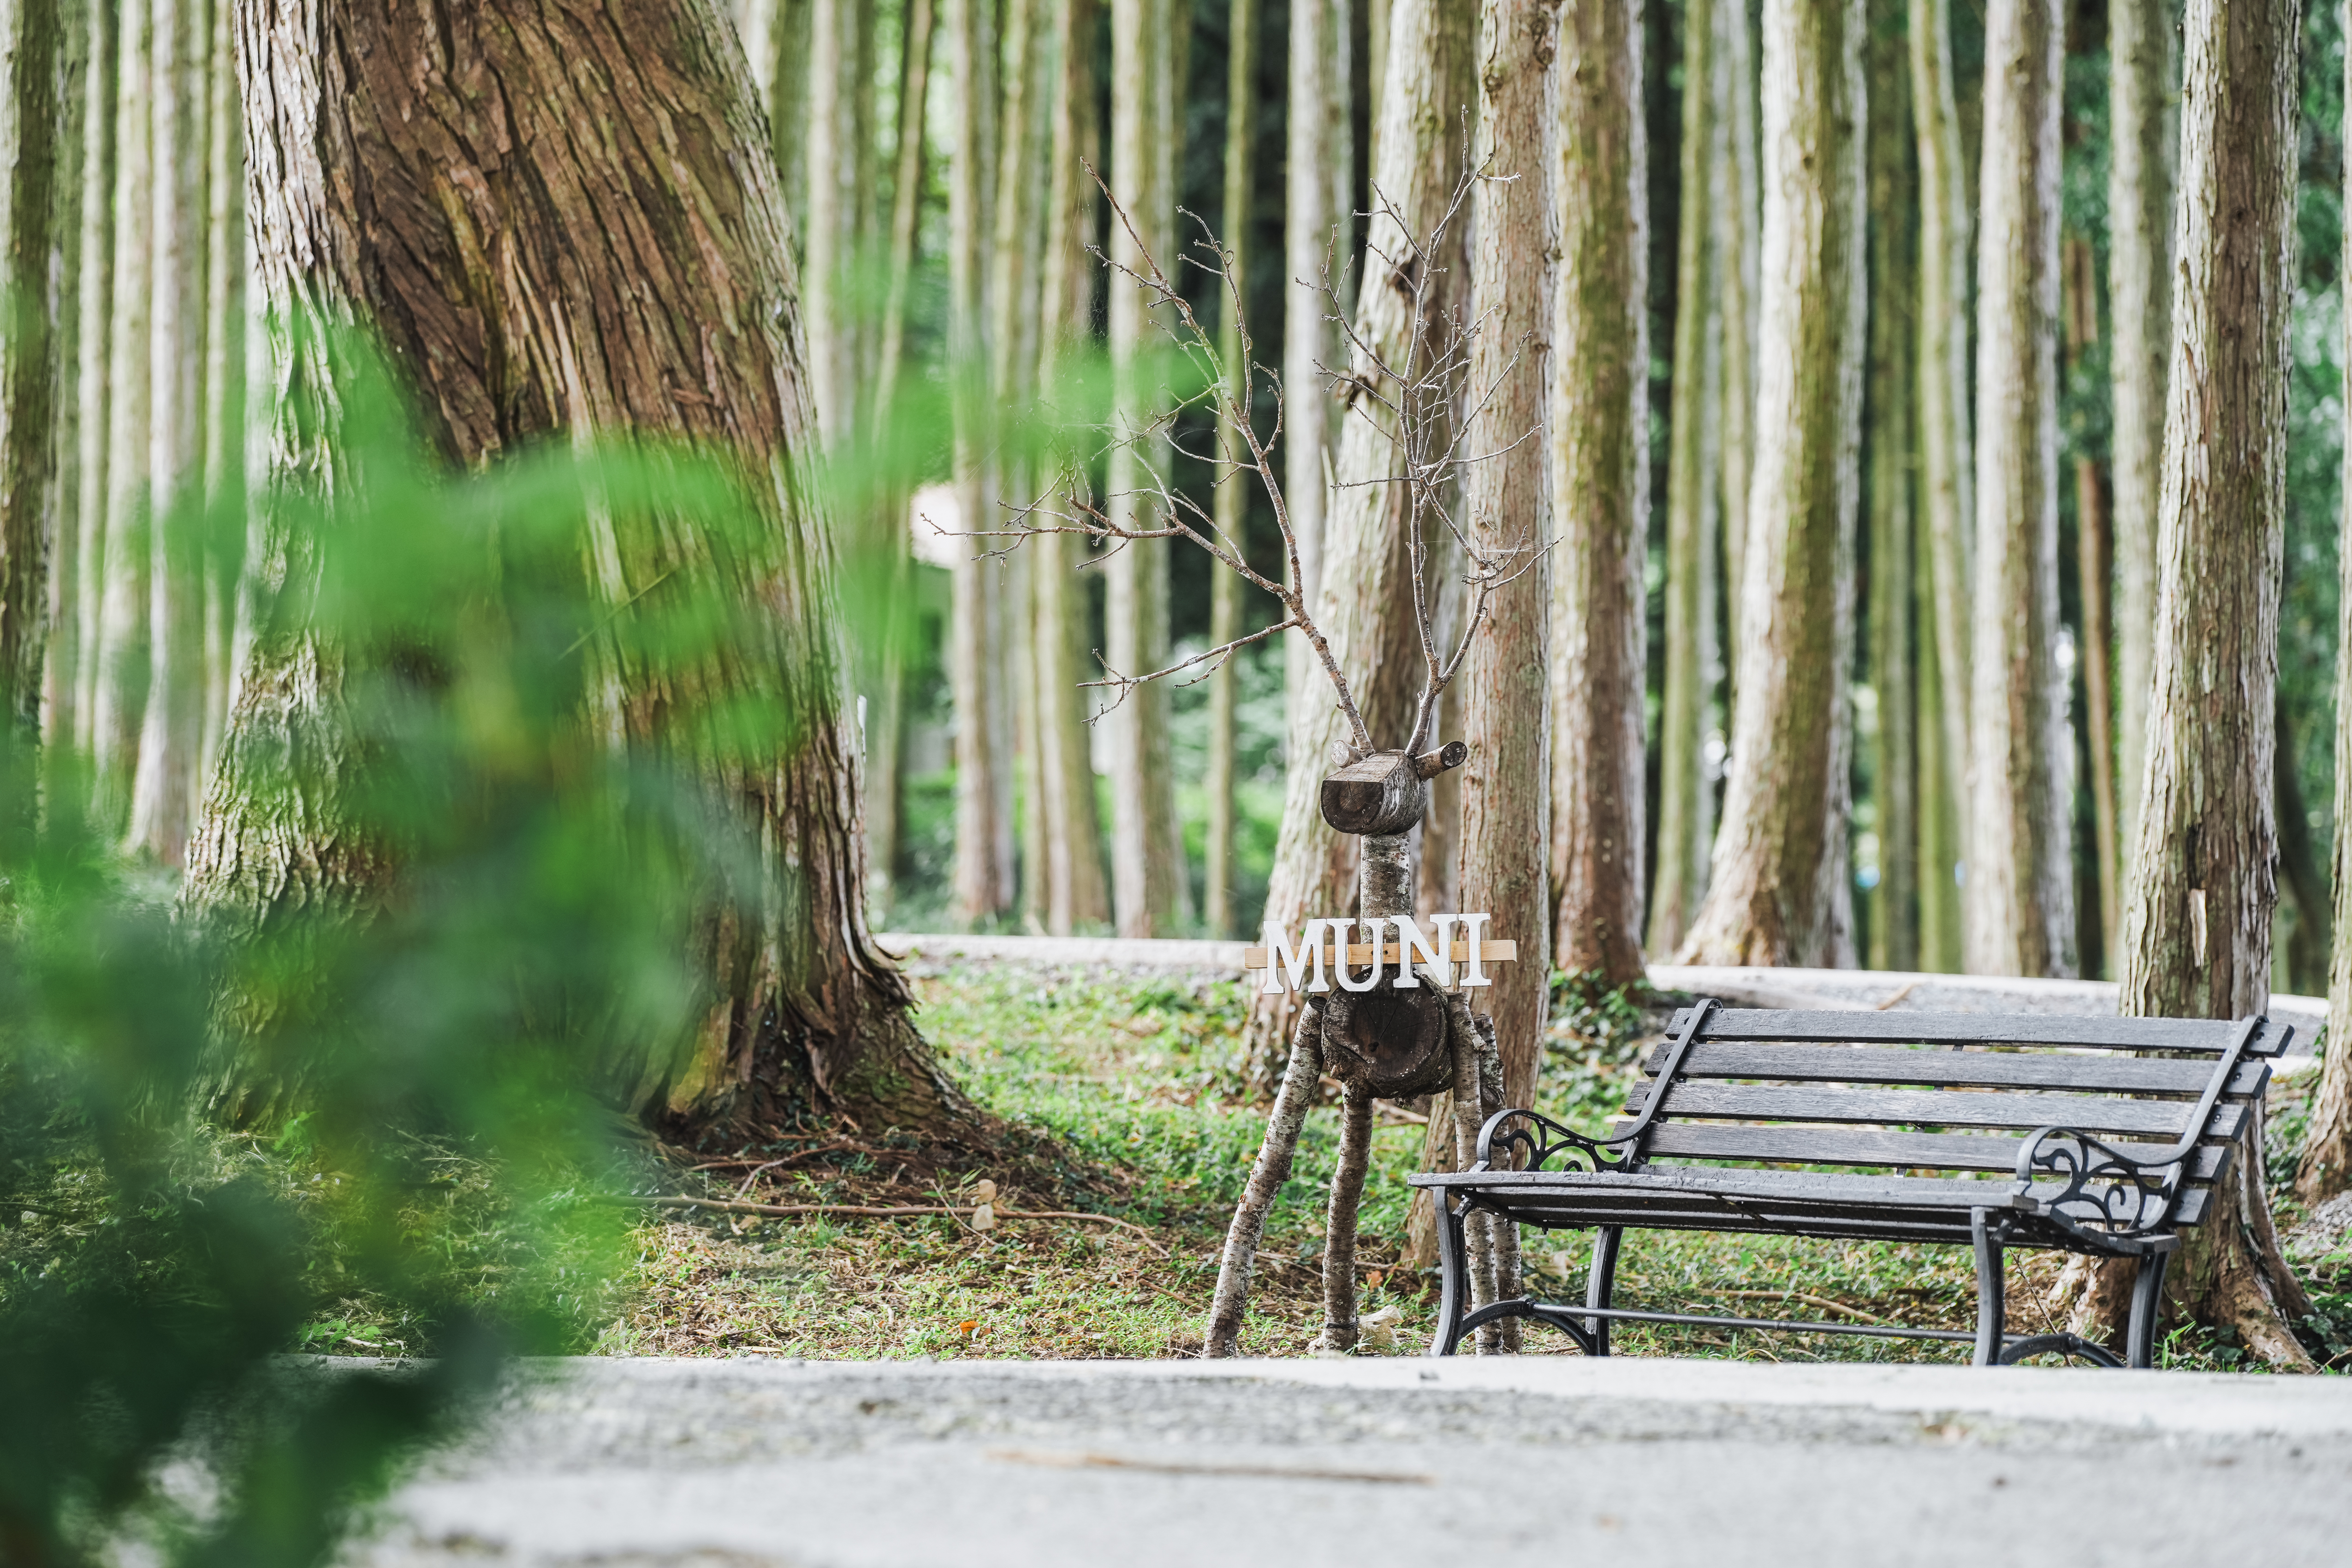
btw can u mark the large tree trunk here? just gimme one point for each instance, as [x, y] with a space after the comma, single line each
[640, 288]
[1148, 887]
[1600, 413]
[1318, 195]
[28, 369]
[1894, 327]
[1364, 605]
[1779, 891]
[2326, 1168]
[2196, 922]
[2142, 133]
[2019, 912]
[1076, 896]
[1234, 488]
[1947, 472]
[170, 743]
[1686, 793]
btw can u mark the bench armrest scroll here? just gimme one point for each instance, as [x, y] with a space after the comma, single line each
[2127, 1193]
[1537, 1139]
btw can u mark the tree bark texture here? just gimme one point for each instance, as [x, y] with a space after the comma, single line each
[1364, 605]
[1320, 186]
[1946, 469]
[631, 285]
[28, 368]
[1076, 896]
[2019, 902]
[1598, 438]
[120, 697]
[1149, 892]
[2326, 1168]
[1780, 892]
[1891, 395]
[2142, 134]
[2196, 922]
[1685, 795]
[1232, 489]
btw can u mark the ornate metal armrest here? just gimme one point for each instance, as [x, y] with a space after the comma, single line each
[2119, 1187]
[1539, 1137]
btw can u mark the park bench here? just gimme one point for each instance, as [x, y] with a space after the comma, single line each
[2101, 1136]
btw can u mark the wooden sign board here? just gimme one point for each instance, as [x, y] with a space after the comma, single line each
[1495, 950]
[1321, 953]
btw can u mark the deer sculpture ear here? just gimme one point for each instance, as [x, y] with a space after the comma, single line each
[1342, 753]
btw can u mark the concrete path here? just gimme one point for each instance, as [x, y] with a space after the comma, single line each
[701, 1464]
[1835, 989]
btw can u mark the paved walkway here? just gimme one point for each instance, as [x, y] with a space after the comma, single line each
[702, 1464]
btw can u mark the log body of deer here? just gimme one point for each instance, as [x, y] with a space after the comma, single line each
[1394, 1035]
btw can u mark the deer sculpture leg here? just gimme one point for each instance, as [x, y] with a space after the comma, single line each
[1299, 1082]
[1339, 1318]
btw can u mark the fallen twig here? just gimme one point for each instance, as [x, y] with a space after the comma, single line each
[869, 1211]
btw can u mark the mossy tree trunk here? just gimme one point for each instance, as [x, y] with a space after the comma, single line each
[1780, 892]
[389, 149]
[1892, 397]
[28, 369]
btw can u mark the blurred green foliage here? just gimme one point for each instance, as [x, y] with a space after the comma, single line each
[430, 1044]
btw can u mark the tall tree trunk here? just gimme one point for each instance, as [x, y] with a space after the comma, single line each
[1076, 896]
[1147, 887]
[2142, 133]
[61, 668]
[886, 703]
[2326, 1168]
[983, 889]
[2308, 945]
[93, 408]
[1780, 892]
[1940, 804]
[1685, 795]
[123, 632]
[225, 349]
[2197, 920]
[2095, 560]
[777, 38]
[1015, 255]
[1318, 191]
[1894, 329]
[1364, 602]
[830, 155]
[28, 370]
[2019, 908]
[1947, 471]
[385, 141]
[1738, 212]
[171, 745]
[1600, 472]
[1233, 491]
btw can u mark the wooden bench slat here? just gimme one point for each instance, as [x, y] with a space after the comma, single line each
[2162, 1119]
[1857, 1146]
[1988, 1070]
[1985, 1029]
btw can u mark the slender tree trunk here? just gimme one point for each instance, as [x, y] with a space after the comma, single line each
[983, 890]
[1014, 277]
[61, 668]
[1076, 896]
[1320, 184]
[123, 633]
[2095, 558]
[2020, 907]
[777, 38]
[2197, 920]
[1364, 601]
[1147, 887]
[171, 745]
[886, 703]
[94, 289]
[2326, 1168]
[225, 349]
[830, 158]
[371, 189]
[1505, 709]
[2143, 131]
[1779, 891]
[1893, 331]
[1946, 469]
[1232, 492]
[2308, 945]
[28, 370]
[1600, 472]
[1739, 211]
[1685, 796]
[1940, 807]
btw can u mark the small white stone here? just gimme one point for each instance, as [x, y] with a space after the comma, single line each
[984, 1217]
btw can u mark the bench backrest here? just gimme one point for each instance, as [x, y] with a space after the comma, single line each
[1947, 1092]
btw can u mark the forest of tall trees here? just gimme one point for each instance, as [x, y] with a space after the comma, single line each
[1933, 414]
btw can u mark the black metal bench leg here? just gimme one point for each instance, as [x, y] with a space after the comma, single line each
[2147, 1296]
[1601, 1284]
[1991, 1309]
[1453, 1287]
